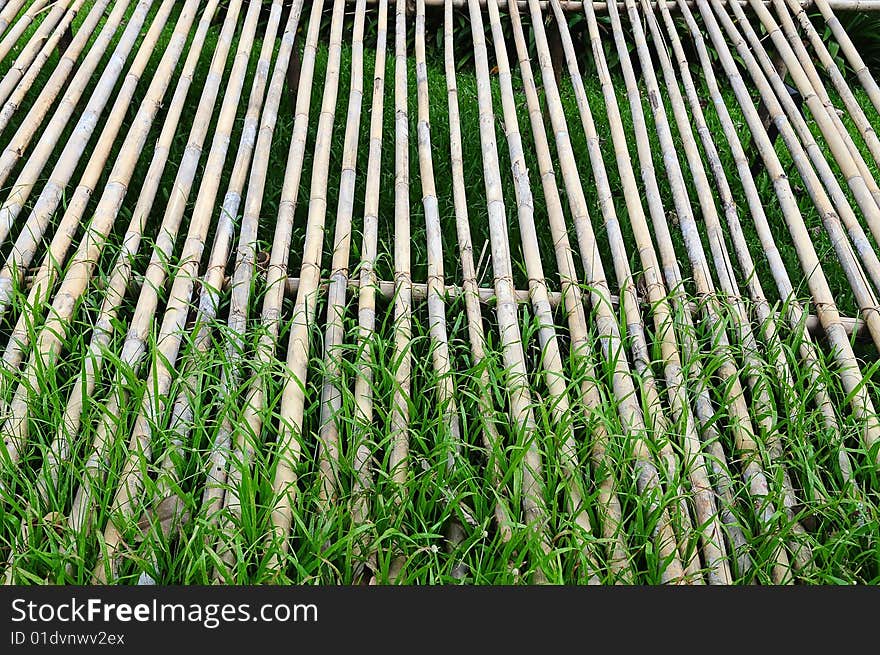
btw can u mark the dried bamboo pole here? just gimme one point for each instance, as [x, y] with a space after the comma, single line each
[855, 327]
[857, 113]
[851, 375]
[85, 126]
[360, 447]
[168, 508]
[793, 38]
[833, 138]
[863, 73]
[491, 439]
[447, 402]
[641, 357]
[11, 37]
[128, 498]
[706, 513]
[63, 442]
[770, 322]
[62, 11]
[329, 446]
[31, 235]
[62, 71]
[290, 436]
[18, 145]
[399, 429]
[247, 436]
[764, 404]
[9, 12]
[535, 510]
[602, 7]
[551, 359]
[106, 433]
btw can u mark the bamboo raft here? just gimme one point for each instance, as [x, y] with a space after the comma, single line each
[619, 269]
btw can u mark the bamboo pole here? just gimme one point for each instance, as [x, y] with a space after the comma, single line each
[62, 71]
[127, 501]
[18, 145]
[329, 445]
[767, 317]
[833, 138]
[31, 235]
[82, 132]
[361, 448]
[857, 113]
[9, 12]
[450, 438]
[290, 438]
[863, 73]
[764, 405]
[167, 513]
[491, 439]
[855, 327]
[11, 38]
[62, 444]
[50, 25]
[551, 358]
[106, 436]
[525, 431]
[851, 375]
[247, 435]
[573, 6]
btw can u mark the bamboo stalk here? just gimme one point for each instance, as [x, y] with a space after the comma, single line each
[106, 435]
[62, 71]
[361, 448]
[290, 436]
[851, 375]
[764, 409]
[167, 486]
[525, 430]
[329, 446]
[82, 132]
[863, 73]
[451, 438]
[11, 37]
[50, 25]
[62, 444]
[855, 327]
[127, 500]
[767, 317]
[491, 439]
[573, 6]
[551, 359]
[31, 235]
[18, 145]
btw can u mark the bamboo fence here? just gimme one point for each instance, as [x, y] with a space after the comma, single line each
[638, 139]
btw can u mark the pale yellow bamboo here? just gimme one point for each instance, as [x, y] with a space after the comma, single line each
[128, 498]
[85, 126]
[361, 448]
[11, 38]
[49, 135]
[551, 358]
[491, 439]
[9, 12]
[524, 428]
[851, 375]
[49, 26]
[290, 438]
[329, 445]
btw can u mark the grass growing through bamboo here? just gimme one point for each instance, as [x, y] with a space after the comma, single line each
[401, 533]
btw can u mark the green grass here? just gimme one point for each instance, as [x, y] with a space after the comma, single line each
[842, 523]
